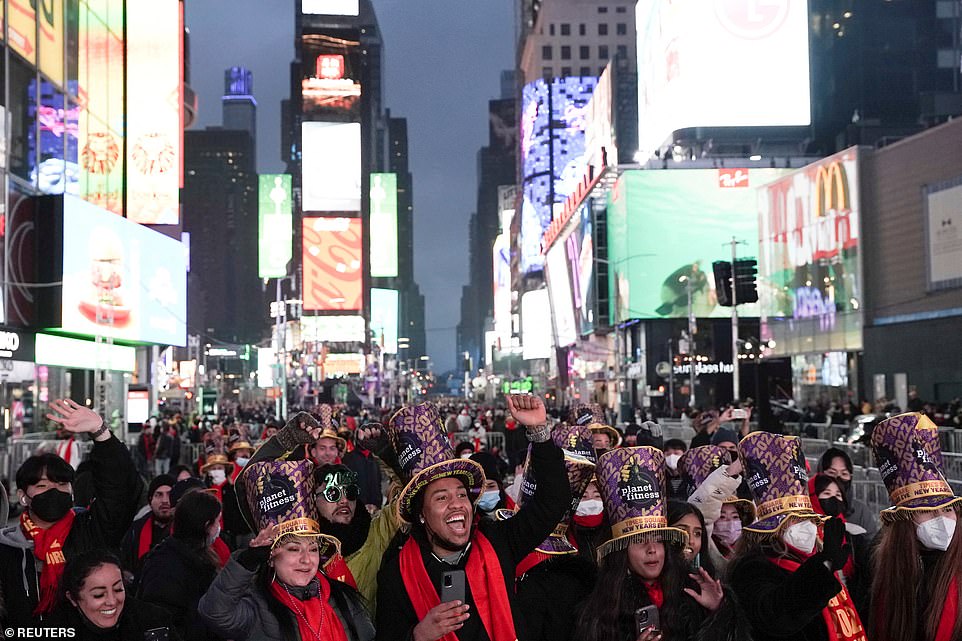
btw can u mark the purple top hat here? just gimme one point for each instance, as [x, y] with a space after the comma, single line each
[574, 439]
[281, 494]
[325, 418]
[778, 479]
[591, 415]
[698, 463]
[632, 486]
[581, 471]
[425, 455]
[909, 458]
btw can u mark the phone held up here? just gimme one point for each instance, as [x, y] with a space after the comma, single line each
[739, 414]
[646, 618]
[452, 586]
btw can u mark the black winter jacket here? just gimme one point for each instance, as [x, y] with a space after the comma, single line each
[512, 540]
[136, 620]
[551, 592]
[117, 489]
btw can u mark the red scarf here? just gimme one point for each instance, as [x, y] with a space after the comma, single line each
[48, 548]
[950, 610]
[65, 450]
[316, 619]
[221, 550]
[485, 578]
[655, 593]
[842, 622]
[146, 538]
[336, 568]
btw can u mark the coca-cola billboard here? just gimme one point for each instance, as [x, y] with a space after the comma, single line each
[809, 267]
[333, 267]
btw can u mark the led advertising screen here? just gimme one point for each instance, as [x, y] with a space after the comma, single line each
[384, 239]
[943, 204]
[559, 292]
[79, 354]
[52, 149]
[266, 365]
[100, 93]
[501, 253]
[330, 7]
[330, 77]
[809, 269]
[730, 64]
[535, 325]
[51, 27]
[333, 268]
[121, 279]
[553, 160]
[579, 251]
[331, 166]
[155, 111]
[22, 28]
[667, 226]
[332, 329]
[385, 315]
[274, 225]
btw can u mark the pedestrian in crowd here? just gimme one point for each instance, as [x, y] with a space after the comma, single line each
[464, 449]
[365, 465]
[650, 434]
[492, 496]
[784, 577]
[328, 447]
[643, 574]
[34, 551]
[447, 537]
[918, 556]
[589, 525]
[837, 463]
[163, 448]
[276, 588]
[177, 572]
[147, 532]
[688, 518]
[239, 451]
[464, 420]
[674, 449]
[180, 472]
[603, 436]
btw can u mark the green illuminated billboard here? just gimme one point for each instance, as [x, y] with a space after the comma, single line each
[384, 225]
[274, 225]
[666, 227]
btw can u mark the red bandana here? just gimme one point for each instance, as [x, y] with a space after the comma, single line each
[316, 619]
[484, 576]
[841, 620]
[48, 548]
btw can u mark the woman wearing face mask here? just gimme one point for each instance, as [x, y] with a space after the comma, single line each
[643, 575]
[217, 471]
[589, 526]
[918, 558]
[785, 581]
[276, 588]
[178, 571]
[94, 603]
[492, 496]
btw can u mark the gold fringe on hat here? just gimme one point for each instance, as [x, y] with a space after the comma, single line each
[672, 535]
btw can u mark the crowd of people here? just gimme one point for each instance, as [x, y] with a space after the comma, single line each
[410, 526]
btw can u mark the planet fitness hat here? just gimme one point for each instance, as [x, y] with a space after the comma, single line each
[592, 416]
[777, 478]
[909, 458]
[325, 418]
[698, 463]
[632, 486]
[425, 455]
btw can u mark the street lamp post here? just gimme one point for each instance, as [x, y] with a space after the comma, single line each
[692, 329]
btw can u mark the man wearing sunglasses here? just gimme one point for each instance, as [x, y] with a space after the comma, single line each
[335, 495]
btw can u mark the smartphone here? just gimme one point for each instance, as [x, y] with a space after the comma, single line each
[646, 618]
[452, 586]
[157, 634]
[739, 414]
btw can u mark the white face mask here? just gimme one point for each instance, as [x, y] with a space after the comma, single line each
[936, 534]
[728, 532]
[217, 476]
[589, 507]
[213, 535]
[801, 536]
[466, 454]
[672, 461]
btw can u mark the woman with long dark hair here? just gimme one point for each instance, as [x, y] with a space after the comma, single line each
[687, 517]
[918, 557]
[645, 589]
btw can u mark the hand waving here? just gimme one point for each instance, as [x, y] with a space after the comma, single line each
[441, 619]
[710, 594]
[264, 537]
[75, 418]
[527, 410]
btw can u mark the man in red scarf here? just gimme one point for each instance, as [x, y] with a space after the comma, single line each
[34, 551]
[447, 536]
[150, 529]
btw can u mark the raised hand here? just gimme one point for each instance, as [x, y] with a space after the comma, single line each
[74, 417]
[440, 620]
[710, 594]
[264, 537]
[370, 436]
[527, 410]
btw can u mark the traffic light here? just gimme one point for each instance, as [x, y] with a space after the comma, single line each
[723, 282]
[746, 271]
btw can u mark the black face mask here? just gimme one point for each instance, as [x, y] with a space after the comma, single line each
[832, 505]
[52, 505]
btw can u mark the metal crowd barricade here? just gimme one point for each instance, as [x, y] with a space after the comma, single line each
[490, 439]
[951, 440]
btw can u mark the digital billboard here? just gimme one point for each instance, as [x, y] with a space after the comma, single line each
[332, 262]
[809, 264]
[333, 329]
[559, 291]
[385, 315]
[535, 325]
[266, 365]
[732, 64]
[52, 147]
[553, 159]
[330, 7]
[330, 77]
[579, 251]
[155, 108]
[51, 27]
[274, 225]
[384, 238]
[22, 28]
[121, 279]
[100, 93]
[331, 166]
[61, 351]
[666, 224]
[501, 254]
[943, 204]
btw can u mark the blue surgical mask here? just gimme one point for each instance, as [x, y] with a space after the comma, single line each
[489, 500]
